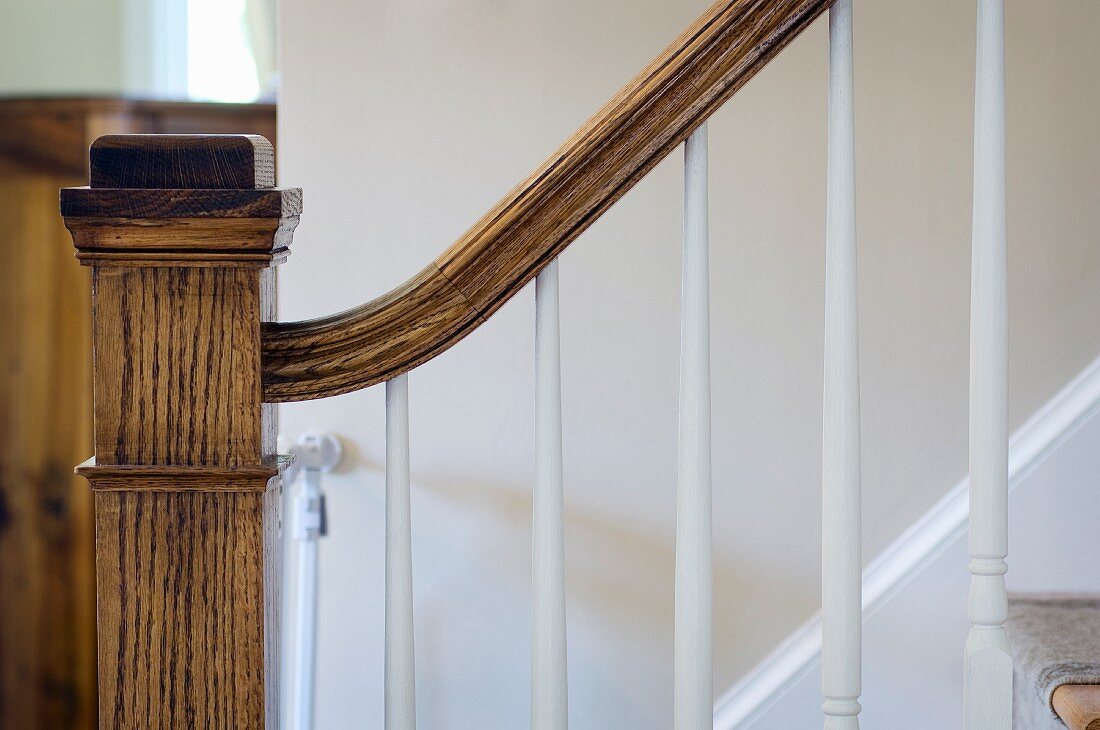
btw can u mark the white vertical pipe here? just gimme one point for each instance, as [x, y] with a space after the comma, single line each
[988, 671]
[840, 484]
[400, 695]
[549, 699]
[288, 674]
[307, 530]
[694, 590]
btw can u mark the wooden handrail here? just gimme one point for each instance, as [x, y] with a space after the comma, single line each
[1078, 705]
[534, 223]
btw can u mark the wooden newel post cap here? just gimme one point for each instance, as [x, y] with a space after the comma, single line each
[203, 161]
[182, 200]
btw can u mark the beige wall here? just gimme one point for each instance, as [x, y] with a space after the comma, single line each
[404, 121]
[61, 46]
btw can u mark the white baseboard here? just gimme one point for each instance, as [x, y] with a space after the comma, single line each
[922, 542]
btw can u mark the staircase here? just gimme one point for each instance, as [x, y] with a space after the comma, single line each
[183, 235]
[1056, 644]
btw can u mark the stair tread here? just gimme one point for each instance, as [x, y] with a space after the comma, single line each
[1055, 641]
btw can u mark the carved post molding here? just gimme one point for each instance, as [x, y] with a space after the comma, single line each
[182, 234]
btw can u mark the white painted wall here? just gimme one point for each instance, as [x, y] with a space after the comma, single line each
[405, 121]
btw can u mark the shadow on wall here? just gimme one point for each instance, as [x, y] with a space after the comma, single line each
[616, 577]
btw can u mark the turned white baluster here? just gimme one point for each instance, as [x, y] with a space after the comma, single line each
[400, 695]
[693, 708]
[840, 485]
[988, 673]
[549, 699]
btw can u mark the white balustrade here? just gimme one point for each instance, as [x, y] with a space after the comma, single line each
[693, 708]
[400, 694]
[549, 696]
[840, 484]
[988, 672]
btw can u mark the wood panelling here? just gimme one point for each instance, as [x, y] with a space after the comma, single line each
[47, 614]
[47, 579]
[534, 223]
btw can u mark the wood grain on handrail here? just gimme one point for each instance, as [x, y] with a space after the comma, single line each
[1078, 705]
[511, 243]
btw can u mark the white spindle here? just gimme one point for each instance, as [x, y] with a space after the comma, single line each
[988, 690]
[400, 696]
[694, 592]
[307, 531]
[840, 485]
[549, 700]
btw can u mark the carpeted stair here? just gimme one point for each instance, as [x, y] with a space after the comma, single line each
[1055, 640]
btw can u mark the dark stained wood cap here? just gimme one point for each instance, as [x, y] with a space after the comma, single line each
[182, 161]
[181, 200]
[172, 203]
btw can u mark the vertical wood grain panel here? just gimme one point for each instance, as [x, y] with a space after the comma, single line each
[140, 345]
[184, 576]
[177, 585]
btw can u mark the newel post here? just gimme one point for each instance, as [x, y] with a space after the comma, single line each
[182, 234]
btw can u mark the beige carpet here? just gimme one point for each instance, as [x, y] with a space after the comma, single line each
[1055, 640]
